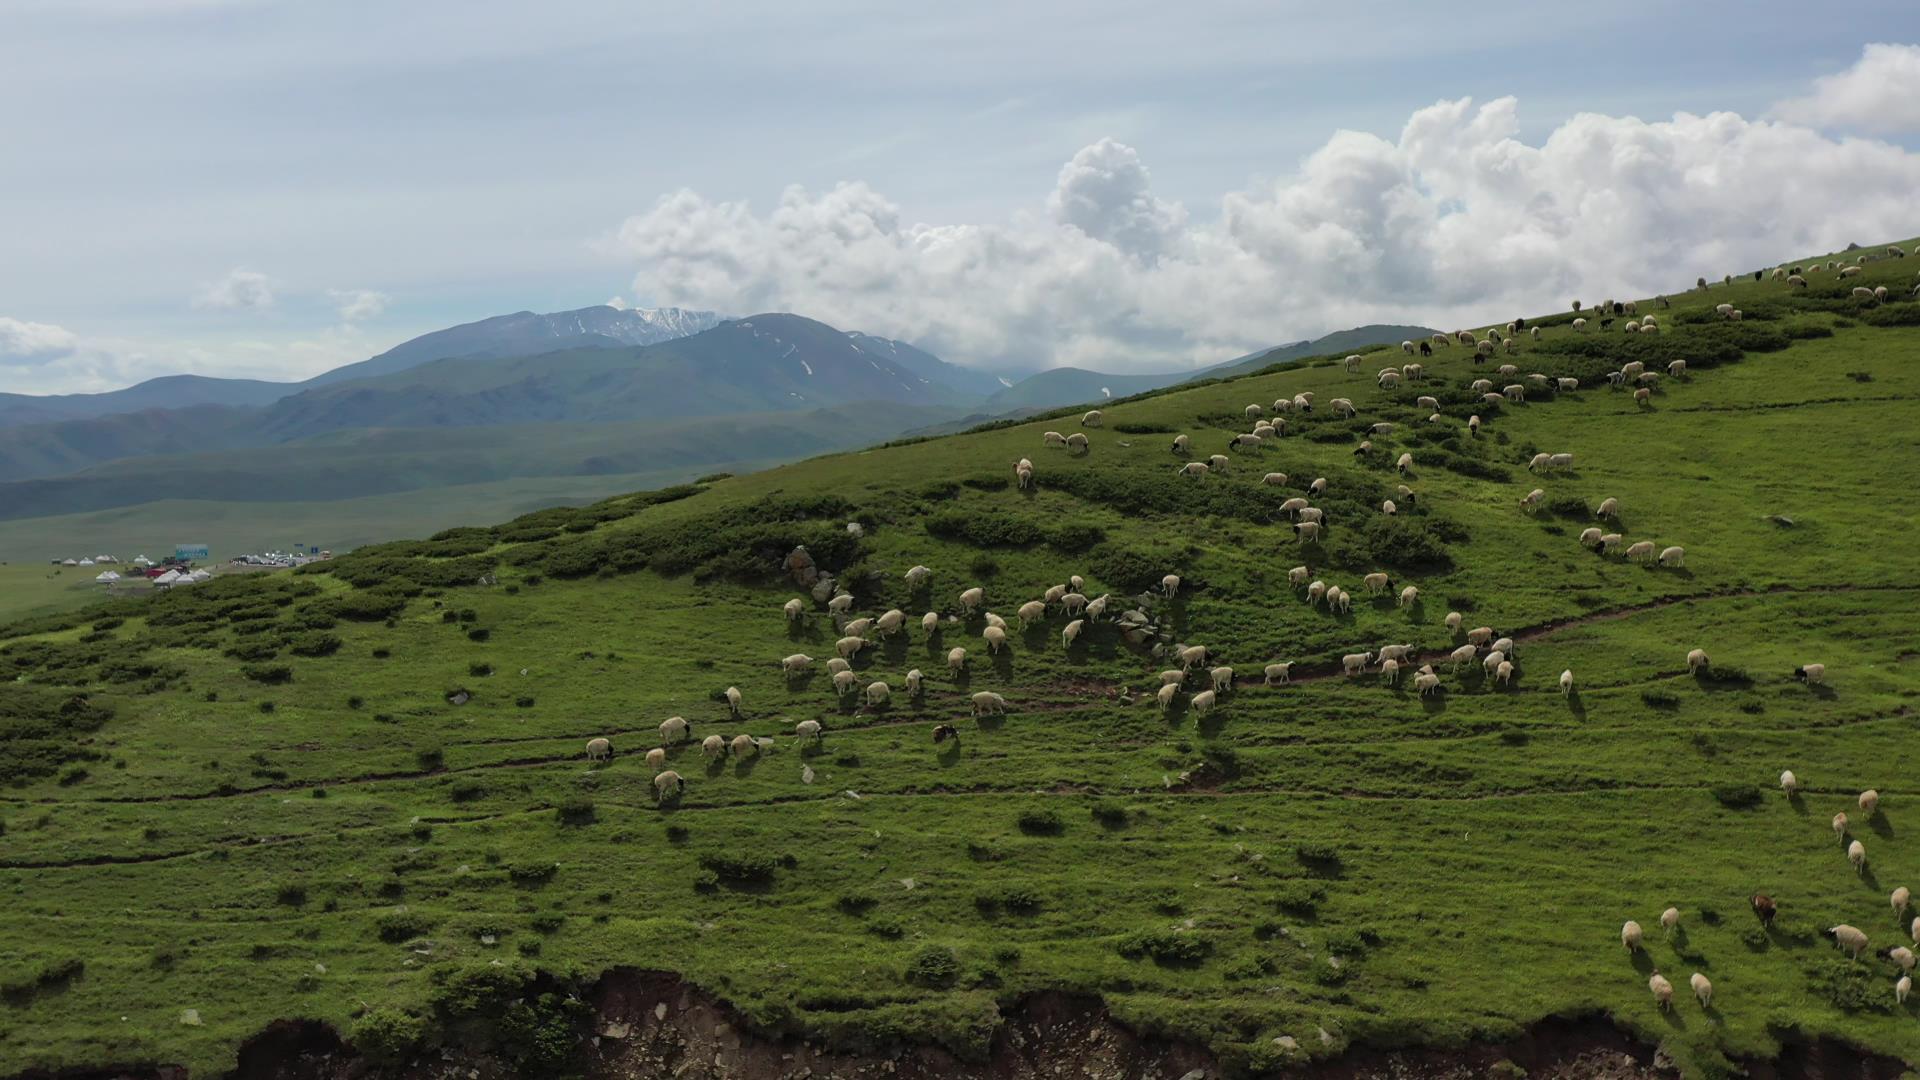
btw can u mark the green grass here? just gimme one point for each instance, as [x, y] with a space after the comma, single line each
[1466, 859]
[28, 589]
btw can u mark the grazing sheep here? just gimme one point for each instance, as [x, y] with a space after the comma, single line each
[1901, 988]
[1643, 551]
[996, 639]
[657, 758]
[1078, 441]
[1763, 907]
[1389, 509]
[1192, 468]
[987, 702]
[1492, 662]
[971, 599]
[1696, 660]
[1073, 602]
[1180, 444]
[1054, 594]
[1023, 473]
[796, 609]
[733, 701]
[1840, 824]
[667, 784]
[1870, 802]
[1071, 632]
[878, 693]
[713, 746]
[1092, 419]
[1789, 783]
[1312, 513]
[856, 530]
[917, 576]
[1031, 612]
[836, 665]
[599, 750]
[1643, 396]
[1166, 695]
[1900, 898]
[1192, 656]
[1390, 672]
[744, 746]
[674, 729]
[1480, 635]
[1173, 675]
[840, 604]
[1318, 486]
[1250, 442]
[1503, 675]
[1409, 596]
[1673, 556]
[1857, 855]
[1415, 372]
[1388, 379]
[1539, 462]
[850, 646]
[1795, 281]
[1590, 538]
[1407, 347]
[1669, 920]
[1566, 383]
[1811, 673]
[1376, 583]
[1307, 530]
[1914, 930]
[1532, 499]
[1405, 463]
[1630, 935]
[1514, 392]
[1276, 479]
[1702, 989]
[943, 732]
[1052, 438]
[1342, 407]
[956, 658]
[1297, 576]
[1850, 938]
[1609, 508]
[930, 622]
[1253, 411]
[808, 731]
[1278, 673]
[1356, 663]
[1202, 702]
[1426, 683]
[1222, 678]
[1219, 462]
[1340, 599]
[1473, 425]
[796, 663]
[914, 679]
[1315, 591]
[844, 682]
[857, 628]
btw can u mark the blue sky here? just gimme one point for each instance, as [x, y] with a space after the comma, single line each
[464, 159]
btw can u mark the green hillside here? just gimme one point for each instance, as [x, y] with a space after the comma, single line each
[258, 800]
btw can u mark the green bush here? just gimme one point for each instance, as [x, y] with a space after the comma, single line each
[399, 926]
[1173, 947]
[934, 966]
[576, 811]
[1737, 796]
[744, 869]
[271, 674]
[982, 528]
[1040, 823]
[1902, 314]
[532, 873]
[315, 644]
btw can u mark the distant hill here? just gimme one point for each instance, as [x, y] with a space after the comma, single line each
[166, 392]
[525, 332]
[1058, 387]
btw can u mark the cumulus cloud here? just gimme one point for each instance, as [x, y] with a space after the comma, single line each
[1453, 221]
[240, 289]
[1879, 93]
[31, 344]
[357, 305]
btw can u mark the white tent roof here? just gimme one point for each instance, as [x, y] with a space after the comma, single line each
[86, 562]
[167, 578]
[107, 575]
[69, 562]
[199, 575]
[105, 558]
[142, 561]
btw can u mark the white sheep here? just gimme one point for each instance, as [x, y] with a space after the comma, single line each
[1579, 326]
[930, 622]
[1669, 920]
[1503, 674]
[891, 623]
[1388, 508]
[1696, 660]
[1219, 462]
[1307, 530]
[840, 604]
[1222, 678]
[1643, 396]
[1532, 499]
[1480, 635]
[1298, 576]
[1901, 988]
[1180, 444]
[1278, 673]
[1473, 425]
[1092, 419]
[1071, 632]
[1630, 935]
[1390, 672]
[1870, 802]
[1566, 682]
[1073, 602]
[733, 701]
[796, 609]
[1566, 383]
[996, 639]
[1610, 543]
[1789, 783]
[1409, 596]
[656, 759]
[667, 784]
[1202, 702]
[1643, 551]
[1192, 468]
[1031, 612]
[850, 646]
[1173, 675]
[1388, 379]
[878, 693]
[599, 750]
[1426, 683]
[674, 729]
[914, 679]
[1167, 694]
[808, 731]
[797, 663]
[844, 682]
[1193, 656]
[971, 599]
[1339, 599]
[1492, 661]
[1355, 663]
[1078, 441]
[1662, 990]
[1590, 537]
[1052, 438]
[1857, 855]
[1850, 938]
[713, 746]
[1404, 463]
[1275, 479]
[1097, 608]
[1840, 824]
[1376, 583]
[987, 702]
[745, 746]
[1673, 556]
[1900, 898]
[956, 658]
[1702, 989]
[1315, 592]
[857, 627]
[1811, 673]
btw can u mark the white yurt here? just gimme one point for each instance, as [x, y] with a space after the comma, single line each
[142, 561]
[84, 562]
[106, 577]
[171, 577]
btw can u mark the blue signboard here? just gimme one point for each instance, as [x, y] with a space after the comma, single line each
[190, 551]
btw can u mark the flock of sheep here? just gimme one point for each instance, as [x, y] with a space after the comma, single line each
[859, 633]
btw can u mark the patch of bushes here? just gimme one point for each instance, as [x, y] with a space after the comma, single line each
[532, 873]
[934, 966]
[1040, 823]
[1171, 947]
[270, 674]
[1893, 315]
[741, 870]
[1143, 429]
[396, 927]
[1848, 986]
[315, 644]
[1113, 815]
[1660, 699]
[576, 811]
[1320, 858]
[20, 990]
[1737, 796]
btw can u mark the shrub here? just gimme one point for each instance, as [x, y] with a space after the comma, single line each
[532, 873]
[983, 566]
[1849, 986]
[1113, 815]
[430, 757]
[856, 903]
[1040, 823]
[576, 811]
[1893, 315]
[741, 870]
[1171, 947]
[480, 669]
[547, 922]
[479, 633]
[387, 1037]
[1737, 796]
[982, 528]
[466, 790]
[934, 966]
[1143, 429]
[291, 893]
[1321, 858]
[1660, 699]
[315, 644]
[396, 927]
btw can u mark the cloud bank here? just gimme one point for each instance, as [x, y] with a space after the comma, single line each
[241, 289]
[358, 305]
[1454, 221]
[1880, 93]
[30, 344]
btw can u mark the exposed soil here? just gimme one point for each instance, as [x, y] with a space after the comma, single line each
[652, 1025]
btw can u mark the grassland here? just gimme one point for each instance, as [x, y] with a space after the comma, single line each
[257, 800]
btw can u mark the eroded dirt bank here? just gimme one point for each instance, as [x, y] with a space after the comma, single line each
[650, 1025]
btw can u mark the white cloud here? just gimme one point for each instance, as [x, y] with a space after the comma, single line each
[240, 289]
[31, 344]
[358, 305]
[1453, 222]
[1879, 93]
[617, 303]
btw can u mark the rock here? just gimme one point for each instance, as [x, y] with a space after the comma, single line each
[660, 1011]
[1287, 1043]
[1196, 1074]
[488, 939]
[908, 884]
[459, 697]
[319, 969]
[616, 1030]
[806, 774]
[190, 1017]
[800, 565]
[1326, 1037]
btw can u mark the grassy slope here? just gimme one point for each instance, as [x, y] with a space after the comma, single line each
[1490, 843]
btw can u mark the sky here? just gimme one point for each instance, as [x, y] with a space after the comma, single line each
[267, 189]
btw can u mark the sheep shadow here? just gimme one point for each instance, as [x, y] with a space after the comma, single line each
[934, 643]
[894, 648]
[990, 721]
[1798, 802]
[1881, 827]
[1418, 612]
[1003, 663]
[743, 767]
[1642, 962]
[963, 678]
[715, 766]
[948, 753]
[1576, 706]
[803, 630]
[1676, 571]
[1870, 879]
[1823, 692]
[1211, 723]
[1673, 1018]
[1434, 704]
[801, 681]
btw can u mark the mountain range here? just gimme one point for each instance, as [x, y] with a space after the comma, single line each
[595, 391]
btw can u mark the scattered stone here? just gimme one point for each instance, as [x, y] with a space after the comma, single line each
[806, 774]
[190, 1017]
[1196, 1074]
[1287, 1043]
[908, 884]
[616, 1030]
[660, 1011]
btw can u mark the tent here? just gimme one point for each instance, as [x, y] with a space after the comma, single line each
[168, 578]
[85, 562]
[199, 575]
[107, 577]
[69, 562]
[143, 561]
[105, 559]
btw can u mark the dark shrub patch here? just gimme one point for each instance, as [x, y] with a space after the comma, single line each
[270, 674]
[1737, 796]
[398, 926]
[934, 966]
[576, 811]
[1040, 823]
[749, 869]
[1170, 947]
